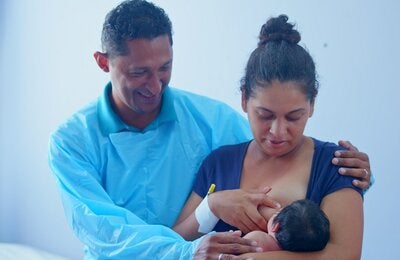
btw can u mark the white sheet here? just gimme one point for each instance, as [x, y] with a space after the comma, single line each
[10, 251]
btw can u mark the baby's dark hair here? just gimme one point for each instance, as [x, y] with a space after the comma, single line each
[130, 20]
[303, 226]
[278, 57]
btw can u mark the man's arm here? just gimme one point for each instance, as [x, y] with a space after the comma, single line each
[108, 230]
[354, 163]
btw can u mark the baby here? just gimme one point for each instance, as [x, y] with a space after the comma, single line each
[300, 226]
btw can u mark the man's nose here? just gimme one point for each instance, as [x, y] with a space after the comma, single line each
[154, 83]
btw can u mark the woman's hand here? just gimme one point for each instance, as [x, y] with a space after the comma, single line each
[354, 163]
[239, 208]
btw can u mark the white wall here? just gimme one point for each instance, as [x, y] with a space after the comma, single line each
[48, 72]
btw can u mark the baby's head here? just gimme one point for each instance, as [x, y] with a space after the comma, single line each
[300, 226]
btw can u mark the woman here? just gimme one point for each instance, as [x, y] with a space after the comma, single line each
[278, 94]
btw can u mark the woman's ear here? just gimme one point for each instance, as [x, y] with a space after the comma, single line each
[102, 61]
[244, 101]
[311, 108]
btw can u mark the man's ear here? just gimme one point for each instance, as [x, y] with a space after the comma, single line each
[244, 101]
[101, 60]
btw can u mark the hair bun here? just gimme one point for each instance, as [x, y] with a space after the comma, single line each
[278, 29]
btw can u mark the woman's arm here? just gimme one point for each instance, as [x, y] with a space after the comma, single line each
[344, 209]
[187, 225]
[212, 245]
[223, 203]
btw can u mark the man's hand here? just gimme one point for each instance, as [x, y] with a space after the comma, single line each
[354, 163]
[239, 208]
[224, 245]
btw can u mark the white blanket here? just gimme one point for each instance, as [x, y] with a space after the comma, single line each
[9, 251]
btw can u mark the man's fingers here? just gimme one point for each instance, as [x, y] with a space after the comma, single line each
[235, 257]
[348, 145]
[354, 163]
[351, 162]
[351, 154]
[230, 243]
[230, 238]
[363, 175]
[347, 162]
[237, 249]
[232, 257]
[232, 233]
[215, 246]
[361, 184]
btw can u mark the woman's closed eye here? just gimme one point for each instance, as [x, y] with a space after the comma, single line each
[295, 116]
[266, 116]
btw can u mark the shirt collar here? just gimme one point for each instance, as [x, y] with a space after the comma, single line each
[110, 122]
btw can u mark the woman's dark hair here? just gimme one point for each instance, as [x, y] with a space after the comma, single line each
[279, 57]
[130, 20]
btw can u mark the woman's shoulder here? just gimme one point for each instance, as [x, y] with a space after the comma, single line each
[231, 149]
[325, 147]
[228, 152]
[325, 178]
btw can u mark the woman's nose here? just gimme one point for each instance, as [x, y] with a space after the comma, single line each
[278, 128]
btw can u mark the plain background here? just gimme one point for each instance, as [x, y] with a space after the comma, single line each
[48, 72]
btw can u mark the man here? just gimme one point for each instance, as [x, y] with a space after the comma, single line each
[125, 163]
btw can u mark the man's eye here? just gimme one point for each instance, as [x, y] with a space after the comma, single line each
[165, 68]
[136, 73]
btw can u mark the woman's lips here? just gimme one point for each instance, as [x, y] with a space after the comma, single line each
[276, 143]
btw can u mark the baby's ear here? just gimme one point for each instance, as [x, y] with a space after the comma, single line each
[275, 227]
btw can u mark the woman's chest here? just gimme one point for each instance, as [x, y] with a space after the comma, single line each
[285, 187]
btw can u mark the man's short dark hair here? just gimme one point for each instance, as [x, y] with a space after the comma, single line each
[130, 20]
